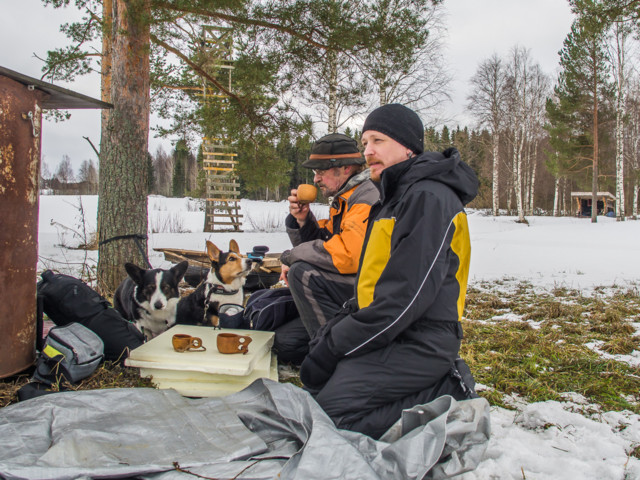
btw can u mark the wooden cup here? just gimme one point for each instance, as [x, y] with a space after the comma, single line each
[307, 193]
[233, 343]
[184, 343]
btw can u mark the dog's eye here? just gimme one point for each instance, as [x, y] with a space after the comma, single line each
[232, 259]
[150, 289]
[166, 288]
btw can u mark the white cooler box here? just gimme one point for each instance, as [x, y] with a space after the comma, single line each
[205, 373]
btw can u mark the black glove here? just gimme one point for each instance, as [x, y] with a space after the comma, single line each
[319, 365]
[285, 257]
[324, 329]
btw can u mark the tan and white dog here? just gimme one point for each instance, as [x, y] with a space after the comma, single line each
[223, 285]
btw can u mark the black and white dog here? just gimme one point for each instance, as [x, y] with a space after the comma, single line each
[222, 287]
[149, 298]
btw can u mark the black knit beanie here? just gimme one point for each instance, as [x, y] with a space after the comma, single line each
[398, 122]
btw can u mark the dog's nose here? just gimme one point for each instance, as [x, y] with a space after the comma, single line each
[158, 305]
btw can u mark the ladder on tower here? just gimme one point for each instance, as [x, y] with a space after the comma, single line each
[222, 188]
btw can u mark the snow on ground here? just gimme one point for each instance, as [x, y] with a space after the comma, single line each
[544, 440]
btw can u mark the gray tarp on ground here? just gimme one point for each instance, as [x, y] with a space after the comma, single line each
[141, 432]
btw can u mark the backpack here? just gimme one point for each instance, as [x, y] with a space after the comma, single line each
[66, 299]
[270, 308]
[71, 351]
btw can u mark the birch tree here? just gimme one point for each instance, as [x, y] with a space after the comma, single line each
[518, 77]
[632, 129]
[539, 88]
[620, 31]
[163, 171]
[526, 89]
[64, 172]
[415, 75]
[487, 105]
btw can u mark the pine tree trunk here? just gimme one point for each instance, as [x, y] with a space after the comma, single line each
[122, 206]
[105, 88]
[563, 196]
[636, 190]
[556, 190]
[509, 194]
[566, 190]
[594, 180]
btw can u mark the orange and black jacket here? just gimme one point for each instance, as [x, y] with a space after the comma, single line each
[414, 268]
[335, 244]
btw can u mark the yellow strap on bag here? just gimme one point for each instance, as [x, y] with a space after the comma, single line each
[51, 352]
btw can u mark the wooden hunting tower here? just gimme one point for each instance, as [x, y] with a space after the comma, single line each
[222, 188]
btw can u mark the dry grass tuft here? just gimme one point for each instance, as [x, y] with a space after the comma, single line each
[107, 375]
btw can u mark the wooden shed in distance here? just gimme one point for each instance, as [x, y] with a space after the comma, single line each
[22, 100]
[606, 202]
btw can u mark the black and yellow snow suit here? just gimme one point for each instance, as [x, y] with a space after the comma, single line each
[397, 346]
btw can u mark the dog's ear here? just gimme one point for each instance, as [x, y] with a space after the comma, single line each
[213, 252]
[135, 272]
[179, 270]
[233, 247]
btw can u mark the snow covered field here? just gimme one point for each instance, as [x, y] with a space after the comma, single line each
[544, 440]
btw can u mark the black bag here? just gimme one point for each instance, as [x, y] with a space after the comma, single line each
[66, 299]
[72, 351]
[270, 308]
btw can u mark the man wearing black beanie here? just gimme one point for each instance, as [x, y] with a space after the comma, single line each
[396, 345]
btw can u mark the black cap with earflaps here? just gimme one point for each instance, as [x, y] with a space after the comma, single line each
[334, 150]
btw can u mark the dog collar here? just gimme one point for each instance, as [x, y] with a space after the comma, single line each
[219, 290]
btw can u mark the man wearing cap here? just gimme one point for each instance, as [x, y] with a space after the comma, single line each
[320, 268]
[397, 347]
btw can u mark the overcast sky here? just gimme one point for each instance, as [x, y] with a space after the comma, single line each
[476, 30]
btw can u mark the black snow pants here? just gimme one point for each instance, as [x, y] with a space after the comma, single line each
[367, 393]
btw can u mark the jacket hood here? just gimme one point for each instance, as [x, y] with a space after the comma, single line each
[353, 181]
[446, 167]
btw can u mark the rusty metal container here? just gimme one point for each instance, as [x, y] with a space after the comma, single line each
[20, 118]
[22, 100]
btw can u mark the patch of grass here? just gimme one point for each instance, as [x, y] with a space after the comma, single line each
[564, 292]
[107, 375]
[623, 345]
[542, 363]
[481, 306]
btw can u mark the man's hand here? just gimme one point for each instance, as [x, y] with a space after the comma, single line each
[284, 272]
[318, 365]
[300, 211]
